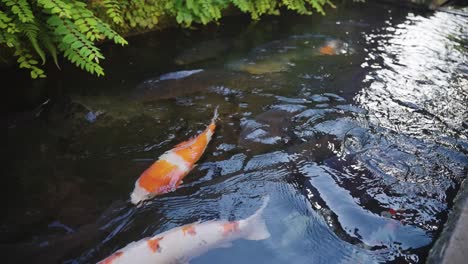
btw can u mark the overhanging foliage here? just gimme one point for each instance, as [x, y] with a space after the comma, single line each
[37, 30]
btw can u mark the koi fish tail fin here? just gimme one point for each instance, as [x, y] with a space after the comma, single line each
[215, 115]
[256, 226]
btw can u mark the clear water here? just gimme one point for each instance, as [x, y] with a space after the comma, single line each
[361, 152]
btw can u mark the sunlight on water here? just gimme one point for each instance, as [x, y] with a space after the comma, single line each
[419, 89]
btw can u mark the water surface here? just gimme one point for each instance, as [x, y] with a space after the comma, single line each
[361, 151]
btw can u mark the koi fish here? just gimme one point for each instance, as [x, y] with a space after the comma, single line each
[333, 47]
[166, 174]
[181, 244]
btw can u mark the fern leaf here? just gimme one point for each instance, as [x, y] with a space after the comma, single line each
[21, 9]
[25, 60]
[56, 7]
[113, 11]
[49, 45]
[31, 30]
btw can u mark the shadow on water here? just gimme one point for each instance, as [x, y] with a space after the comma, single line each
[353, 123]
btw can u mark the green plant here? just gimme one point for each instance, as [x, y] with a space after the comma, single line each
[136, 14]
[38, 29]
[33, 28]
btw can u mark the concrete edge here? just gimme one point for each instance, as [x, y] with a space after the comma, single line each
[452, 244]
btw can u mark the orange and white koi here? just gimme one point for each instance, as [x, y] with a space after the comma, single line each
[330, 48]
[181, 244]
[166, 174]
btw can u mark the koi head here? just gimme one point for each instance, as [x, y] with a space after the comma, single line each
[139, 194]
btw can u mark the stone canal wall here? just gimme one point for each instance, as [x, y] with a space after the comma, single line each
[451, 247]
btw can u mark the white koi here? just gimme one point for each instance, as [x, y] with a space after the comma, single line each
[181, 244]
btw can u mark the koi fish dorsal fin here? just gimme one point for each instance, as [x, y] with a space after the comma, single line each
[257, 229]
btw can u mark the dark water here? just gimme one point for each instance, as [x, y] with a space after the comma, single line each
[361, 152]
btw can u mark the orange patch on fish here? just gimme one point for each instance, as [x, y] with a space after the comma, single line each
[212, 127]
[230, 227]
[112, 257]
[160, 174]
[189, 229]
[327, 50]
[153, 244]
[192, 151]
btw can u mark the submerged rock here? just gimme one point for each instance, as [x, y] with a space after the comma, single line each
[268, 128]
[335, 97]
[339, 127]
[291, 108]
[292, 100]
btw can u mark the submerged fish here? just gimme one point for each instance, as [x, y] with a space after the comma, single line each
[272, 65]
[327, 50]
[166, 174]
[280, 56]
[332, 47]
[181, 244]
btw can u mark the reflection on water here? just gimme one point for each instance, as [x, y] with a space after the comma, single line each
[416, 100]
[361, 150]
[418, 87]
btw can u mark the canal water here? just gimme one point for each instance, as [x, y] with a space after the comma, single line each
[354, 124]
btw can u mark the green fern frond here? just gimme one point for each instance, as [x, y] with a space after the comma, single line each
[317, 5]
[4, 20]
[114, 11]
[76, 47]
[21, 9]
[48, 44]
[56, 7]
[31, 31]
[36, 29]
[27, 61]
[91, 26]
[7, 24]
